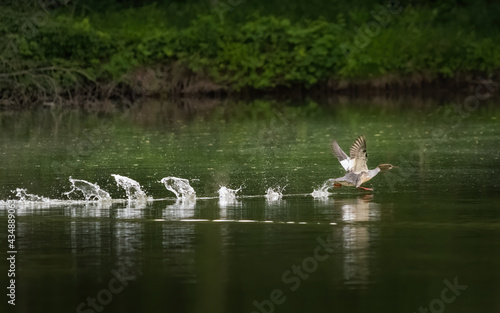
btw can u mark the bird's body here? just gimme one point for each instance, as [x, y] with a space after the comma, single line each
[355, 180]
[357, 171]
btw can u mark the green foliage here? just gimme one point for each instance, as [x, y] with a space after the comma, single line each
[74, 41]
[244, 50]
[262, 53]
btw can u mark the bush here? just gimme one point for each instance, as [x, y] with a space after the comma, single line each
[258, 51]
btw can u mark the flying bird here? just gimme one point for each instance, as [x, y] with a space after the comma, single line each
[357, 171]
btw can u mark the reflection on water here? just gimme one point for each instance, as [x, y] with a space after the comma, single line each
[122, 241]
[133, 209]
[90, 210]
[356, 238]
[356, 259]
[129, 241]
[178, 244]
[356, 227]
[181, 209]
[360, 209]
[229, 207]
[277, 210]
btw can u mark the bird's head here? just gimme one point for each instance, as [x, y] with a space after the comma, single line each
[386, 167]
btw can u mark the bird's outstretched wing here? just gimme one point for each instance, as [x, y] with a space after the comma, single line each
[358, 155]
[344, 160]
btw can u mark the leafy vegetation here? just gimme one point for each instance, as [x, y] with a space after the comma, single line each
[66, 50]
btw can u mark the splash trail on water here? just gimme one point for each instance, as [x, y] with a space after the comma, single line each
[180, 187]
[28, 197]
[228, 194]
[132, 187]
[90, 191]
[322, 192]
[274, 194]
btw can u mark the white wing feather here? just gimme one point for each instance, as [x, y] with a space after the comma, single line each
[347, 164]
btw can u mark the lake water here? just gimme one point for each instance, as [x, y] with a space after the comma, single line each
[427, 236]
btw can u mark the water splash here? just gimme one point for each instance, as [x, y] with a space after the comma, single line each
[132, 188]
[179, 186]
[227, 197]
[274, 194]
[90, 191]
[28, 197]
[322, 192]
[227, 194]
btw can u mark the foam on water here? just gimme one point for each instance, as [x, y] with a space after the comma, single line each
[274, 194]
[132, 188]
[90, 191]
[180, 187]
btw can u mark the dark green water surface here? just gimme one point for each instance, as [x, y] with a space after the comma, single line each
[427, 236]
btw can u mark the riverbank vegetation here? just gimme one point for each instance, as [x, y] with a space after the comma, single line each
[122, 50]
